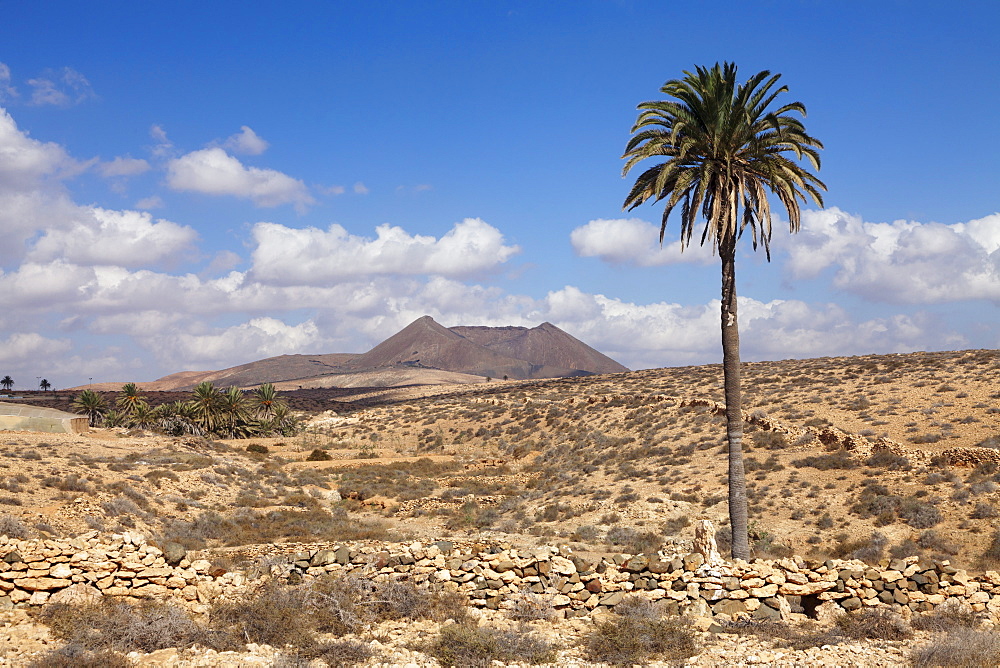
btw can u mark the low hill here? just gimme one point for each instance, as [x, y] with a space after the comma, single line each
[423, 352]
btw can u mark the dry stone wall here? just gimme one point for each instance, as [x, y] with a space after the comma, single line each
[35, 572]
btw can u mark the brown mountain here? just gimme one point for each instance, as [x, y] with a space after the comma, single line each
[426, 349]
[545, 345]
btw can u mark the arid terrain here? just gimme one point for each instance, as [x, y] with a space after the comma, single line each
[874, 457]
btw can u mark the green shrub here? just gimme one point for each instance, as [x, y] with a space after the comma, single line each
[257, 449]
[319, 455]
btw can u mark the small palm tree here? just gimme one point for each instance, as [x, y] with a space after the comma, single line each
[265, 399]
[7, 383]
[129, 398]
[723, 152]
[207, 406]
[143, 416]
[177, 419]
[44, 385]
[92, 404]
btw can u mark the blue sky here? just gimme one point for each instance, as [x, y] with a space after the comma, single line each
[197, 185]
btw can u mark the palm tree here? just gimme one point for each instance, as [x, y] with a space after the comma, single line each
[265, 400]
[44, 385]
[207, 406]
[92, 404]
[177, 418]
[722, 151]
[129, 399]
[143, 416]
[233, 406]
[7, 383]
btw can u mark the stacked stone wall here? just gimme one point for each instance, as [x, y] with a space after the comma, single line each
[34, 572]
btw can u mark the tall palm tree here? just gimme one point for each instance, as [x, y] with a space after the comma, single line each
[723, 151]
[44, 385]
[207, 406]
[129, 398]
[7, 383]
[233, 407]
[92, 404]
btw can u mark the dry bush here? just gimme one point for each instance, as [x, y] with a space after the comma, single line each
[949, 616]
[118, 626]
[77, 656]
[879, 623]
[960, 647]
[467, 644]
[246, 527]
[285, 615]
[530, 607]
[639, 633]
[793, 636]
[13, 527]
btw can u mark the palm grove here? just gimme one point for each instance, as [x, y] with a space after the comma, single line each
[721, 150]
[229, 413]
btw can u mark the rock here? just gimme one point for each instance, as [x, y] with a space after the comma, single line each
[729, 607]
[77, 594]
[173, 553]
[852, 603]
[562, 566]
[693, 561]
[42, 584]
[704, 543]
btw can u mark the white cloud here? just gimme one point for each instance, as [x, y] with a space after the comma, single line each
[20, 346]
[62, 89]
[246, 141]
[123, 167]
[634, 242]
[32, 195]
[151, 202]
[332, 190]
[24, 161]
[7, 91]
[287, 256]
[214, 172]
[360, 188]
[903, 261]
[121, 238]
[163, 147]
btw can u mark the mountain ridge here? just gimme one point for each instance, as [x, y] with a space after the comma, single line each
[469, 353]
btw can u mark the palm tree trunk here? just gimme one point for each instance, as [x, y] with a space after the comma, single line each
[734, 409]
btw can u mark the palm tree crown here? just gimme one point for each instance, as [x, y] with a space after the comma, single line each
[724, 150]
[6, 383]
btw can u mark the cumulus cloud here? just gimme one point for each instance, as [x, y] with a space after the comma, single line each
[310, 256]
[123, 167]
[212, 171]
[60, 89]
[121, 238]
[32, 195]
[633, 241]
[247, 142]
[903, 261]
[360, 188]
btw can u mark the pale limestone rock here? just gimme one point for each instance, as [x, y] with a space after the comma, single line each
[77, 594]
[704, 543]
